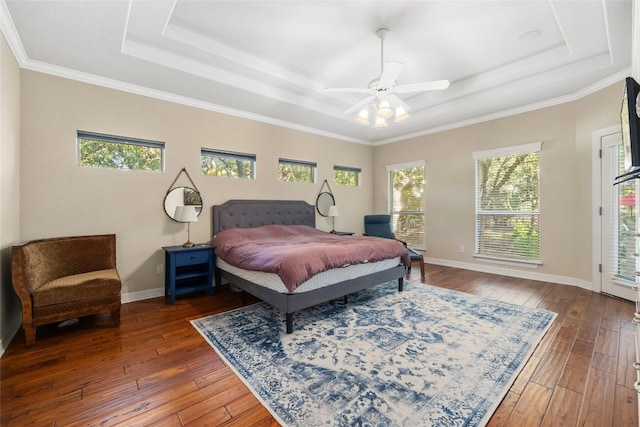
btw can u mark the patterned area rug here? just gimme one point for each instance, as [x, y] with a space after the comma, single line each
[424, 357]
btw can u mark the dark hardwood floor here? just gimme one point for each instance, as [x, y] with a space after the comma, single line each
[155, 369]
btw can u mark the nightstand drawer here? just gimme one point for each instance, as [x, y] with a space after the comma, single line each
[192, 257]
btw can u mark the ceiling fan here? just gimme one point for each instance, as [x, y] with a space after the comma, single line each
[382, 102]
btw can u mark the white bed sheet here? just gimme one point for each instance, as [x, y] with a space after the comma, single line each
[272, 280]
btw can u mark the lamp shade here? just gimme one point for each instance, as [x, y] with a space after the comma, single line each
[385, 110]
[363, 116]
[380, 123]
[186, 214]
[333, 210]
[401, 114]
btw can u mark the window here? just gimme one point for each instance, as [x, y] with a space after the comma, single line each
[227, 163]
[507, 203]
[296, 171]
[624, 218]
[345, 175]
[116, 152]
[406, 202]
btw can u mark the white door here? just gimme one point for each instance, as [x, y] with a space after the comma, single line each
[619, 223]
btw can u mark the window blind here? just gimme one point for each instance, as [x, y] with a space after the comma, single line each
[228, 154]
[507, 204]
[624, 213]
[119, 139]
[407, 202]
[297, 162]
[346, 169]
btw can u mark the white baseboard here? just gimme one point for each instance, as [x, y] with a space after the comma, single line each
[521, 274]
[142, 295]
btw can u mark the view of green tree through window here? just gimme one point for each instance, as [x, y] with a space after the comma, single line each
[296, 171]
[227, 163]
[115, 152]
[507, 203]
[406, 192]
[344, 175]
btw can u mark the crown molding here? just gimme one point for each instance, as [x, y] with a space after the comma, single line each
[93, 79]
[11, 34]
[13, 39]
[608, 81]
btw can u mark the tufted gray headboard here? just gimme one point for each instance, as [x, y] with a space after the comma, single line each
[254, 213]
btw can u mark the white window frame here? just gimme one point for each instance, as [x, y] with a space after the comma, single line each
[355, 170]
[122, 140]
[312, 165]
[398, 166]
[210, 152]
[504, 152]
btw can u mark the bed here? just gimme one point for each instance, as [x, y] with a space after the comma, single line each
[258, 213]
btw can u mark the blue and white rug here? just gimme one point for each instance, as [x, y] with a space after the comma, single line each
[424, 357]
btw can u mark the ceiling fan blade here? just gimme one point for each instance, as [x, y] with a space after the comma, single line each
[347, 89]
[390, 73]
[422, 86]
[395, 100]
[360, 104]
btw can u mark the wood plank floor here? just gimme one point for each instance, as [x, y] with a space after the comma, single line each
[155, 369]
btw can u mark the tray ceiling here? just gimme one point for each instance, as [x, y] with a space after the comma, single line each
[271, 60]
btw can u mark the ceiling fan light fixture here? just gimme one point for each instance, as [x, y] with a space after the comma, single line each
[363, 116]
[385, 111]
[401, 114]
[380, 123]
[382, 102]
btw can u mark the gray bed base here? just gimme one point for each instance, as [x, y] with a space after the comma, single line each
[255, 213]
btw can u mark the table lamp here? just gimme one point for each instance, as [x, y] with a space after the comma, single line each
[186, 214]
[333, 213]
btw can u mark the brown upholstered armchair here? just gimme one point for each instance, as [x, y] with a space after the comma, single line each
[66, 277]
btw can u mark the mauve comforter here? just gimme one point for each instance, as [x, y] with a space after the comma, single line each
[297, 252]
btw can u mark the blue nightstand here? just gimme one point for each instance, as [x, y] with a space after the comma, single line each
[188, 270]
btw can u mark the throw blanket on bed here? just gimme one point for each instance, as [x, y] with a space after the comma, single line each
[297, 252]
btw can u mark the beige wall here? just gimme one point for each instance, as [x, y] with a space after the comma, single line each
[9, 188]
[565, 182]
[58, 197]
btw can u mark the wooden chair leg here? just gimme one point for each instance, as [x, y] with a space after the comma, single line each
[422, 272]
[115, 316]
[29, 335]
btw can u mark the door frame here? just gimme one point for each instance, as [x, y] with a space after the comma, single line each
[596, 197]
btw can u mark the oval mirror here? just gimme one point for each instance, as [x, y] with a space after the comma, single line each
[323, 202]
[181, 196]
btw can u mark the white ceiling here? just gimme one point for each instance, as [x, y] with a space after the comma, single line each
[271, 60]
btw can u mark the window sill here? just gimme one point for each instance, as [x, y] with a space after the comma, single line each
[505, 261]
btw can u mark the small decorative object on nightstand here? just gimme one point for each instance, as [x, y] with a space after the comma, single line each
[188, 269]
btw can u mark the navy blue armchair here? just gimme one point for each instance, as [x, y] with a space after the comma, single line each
[380, 226]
